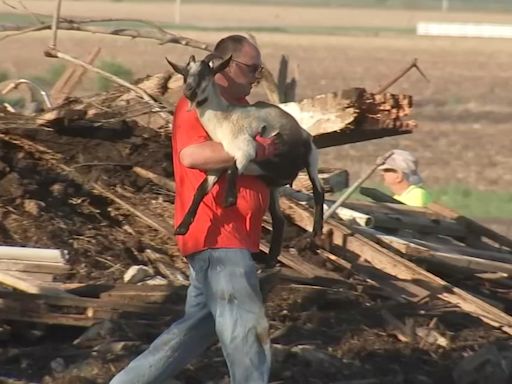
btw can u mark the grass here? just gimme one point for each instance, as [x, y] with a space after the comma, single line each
[48, 78]
[114, 68]
[470, 202]
[475, 203]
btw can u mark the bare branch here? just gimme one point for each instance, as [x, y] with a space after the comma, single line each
[157, 107]
[108, 20]
[156, 33]
[23, 31]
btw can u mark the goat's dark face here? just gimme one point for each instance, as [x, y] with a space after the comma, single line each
[198, 76]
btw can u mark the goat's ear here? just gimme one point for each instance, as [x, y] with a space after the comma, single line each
[180, 69]
[222, 65]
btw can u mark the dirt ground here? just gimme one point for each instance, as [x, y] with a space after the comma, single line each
[462, 138]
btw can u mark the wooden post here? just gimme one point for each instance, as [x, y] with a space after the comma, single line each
[55, 25]
[71, 78]
[177, 11]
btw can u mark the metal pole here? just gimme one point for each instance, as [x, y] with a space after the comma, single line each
[356, 185]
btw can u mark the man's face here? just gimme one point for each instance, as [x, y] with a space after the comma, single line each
[391, 177]
[243, 72]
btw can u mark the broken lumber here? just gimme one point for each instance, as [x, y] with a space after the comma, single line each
[71, 78]
[34, 267]
[472, 226]
[409, 248]
[395, 265]
[29, 285]
[33, 254]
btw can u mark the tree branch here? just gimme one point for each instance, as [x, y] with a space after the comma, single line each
[156, 33]
[157, 107]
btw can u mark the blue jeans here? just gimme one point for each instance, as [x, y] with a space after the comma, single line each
[224, 301]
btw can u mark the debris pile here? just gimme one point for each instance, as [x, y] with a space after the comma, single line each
[398, 294]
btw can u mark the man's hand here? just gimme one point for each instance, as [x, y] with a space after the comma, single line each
[266, 147]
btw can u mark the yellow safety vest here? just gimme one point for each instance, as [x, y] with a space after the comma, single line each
[415, 196]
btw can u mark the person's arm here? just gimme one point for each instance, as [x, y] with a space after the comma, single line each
[210, 155]
[206, 156]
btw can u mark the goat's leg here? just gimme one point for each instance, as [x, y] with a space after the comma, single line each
[231, 193]
[318, 191]
[203, 189]
[243, 149]
[276, 241]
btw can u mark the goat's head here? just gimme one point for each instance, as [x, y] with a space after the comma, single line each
[198, 76]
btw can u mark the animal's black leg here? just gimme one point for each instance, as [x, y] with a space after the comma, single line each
[205, 186]
[276, 241]
[318, 192]
[231, 194]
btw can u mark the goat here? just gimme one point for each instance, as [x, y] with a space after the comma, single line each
[235, 127]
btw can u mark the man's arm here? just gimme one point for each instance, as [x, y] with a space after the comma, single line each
[206, 156]
[210, 155]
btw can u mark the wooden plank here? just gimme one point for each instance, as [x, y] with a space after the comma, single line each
[292, 275]
[411, 249]
[42, 277]
[370, 206]
[450, 247]
[86, 302]
[472, 225]
[350, 136]
[28, 266]
[386, 216]
[128, 293]
[33, 254]
[49, 318]
[418, 224]
[401, 268]
[30, 285]
[71, 78]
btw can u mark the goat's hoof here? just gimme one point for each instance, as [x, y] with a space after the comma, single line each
[270, 262]
[324, 240]
[303, 242]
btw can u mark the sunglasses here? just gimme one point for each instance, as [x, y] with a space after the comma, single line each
[254, 69]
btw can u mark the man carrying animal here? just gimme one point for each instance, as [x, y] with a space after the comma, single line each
[223, 298]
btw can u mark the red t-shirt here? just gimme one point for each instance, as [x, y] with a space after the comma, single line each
[214, 226]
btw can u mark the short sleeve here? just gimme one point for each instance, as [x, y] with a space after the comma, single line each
[187, 128]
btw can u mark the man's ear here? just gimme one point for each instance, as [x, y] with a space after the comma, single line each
[400, 176]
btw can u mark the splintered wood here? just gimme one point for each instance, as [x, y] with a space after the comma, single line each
[361, 114]
[387, 253]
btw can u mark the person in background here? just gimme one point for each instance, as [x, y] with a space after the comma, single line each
[224, 299]
[400, 174]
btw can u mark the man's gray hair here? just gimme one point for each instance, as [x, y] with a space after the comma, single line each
[230, 45]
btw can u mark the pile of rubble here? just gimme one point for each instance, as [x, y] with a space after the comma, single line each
[90, 274]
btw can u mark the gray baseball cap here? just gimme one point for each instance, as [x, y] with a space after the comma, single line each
[404, 162]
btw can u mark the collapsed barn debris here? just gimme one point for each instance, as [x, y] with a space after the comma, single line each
[92, 177]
